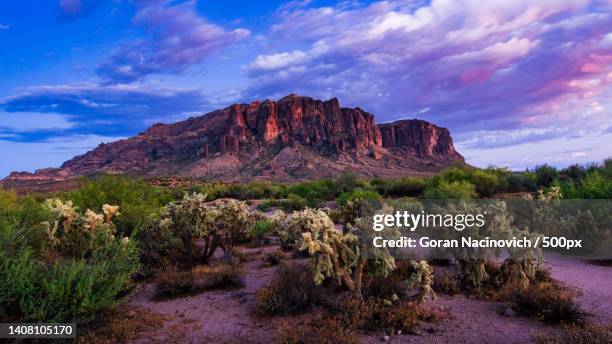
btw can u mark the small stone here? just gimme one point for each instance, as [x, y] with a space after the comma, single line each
[509, 312]
[386, 338]
[399, 332]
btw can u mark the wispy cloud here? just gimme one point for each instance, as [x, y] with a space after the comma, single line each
[4, 27]
[476, 65]
[94, 109]
[177, 39]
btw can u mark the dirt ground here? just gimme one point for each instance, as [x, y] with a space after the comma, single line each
[227, 317]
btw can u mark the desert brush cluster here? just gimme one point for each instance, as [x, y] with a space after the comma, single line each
[75, 256]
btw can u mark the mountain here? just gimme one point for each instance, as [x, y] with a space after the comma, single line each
[293, 138]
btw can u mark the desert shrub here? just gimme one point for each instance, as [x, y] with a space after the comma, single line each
[173, 281]
[574, 173]
[381, 186]
[267, 204]
[77, 270]
[376, 314]
[220, 276]
[348, 181]
[453, 174]
[290, 291]
[212, 190]
[253, 190]
[293, 202]
[273, 258]
[316, 330]
[451, 190]
[586, 334]
[393, 316]
[358, 194]
[545, 175]
[487, 182]
[447, 283]
[547, 302]
[313, 192]
[380, 286]
[261, 228]
[593, 186]
[136, 198]
[606, 168]
[520, 182]
[407, 187]
[122, 325]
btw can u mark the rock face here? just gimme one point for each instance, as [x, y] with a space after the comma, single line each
[290, 139]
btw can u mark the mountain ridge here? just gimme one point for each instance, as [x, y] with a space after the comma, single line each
[293, 138]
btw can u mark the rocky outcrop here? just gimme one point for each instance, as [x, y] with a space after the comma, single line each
[420, 138]
[292, 138]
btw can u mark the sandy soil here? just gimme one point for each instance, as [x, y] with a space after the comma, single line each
[593, 282]
[216, 316]
[226, 316]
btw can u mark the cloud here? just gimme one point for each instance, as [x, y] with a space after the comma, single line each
[73, 9]
[93, 109]
[478, 66]
[177, 39]
[4, 27]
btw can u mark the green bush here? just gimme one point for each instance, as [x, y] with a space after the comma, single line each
[407, 187]
[486, 182]
[293, 203]
[313, 192]
[451, 190]
[520, 182]
[358, 194]
[593, 186]
[545, 175]
[50, 276]
[136, 198]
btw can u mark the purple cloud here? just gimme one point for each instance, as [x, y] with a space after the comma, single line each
[178, 39]
[71, 9]
[474, 65]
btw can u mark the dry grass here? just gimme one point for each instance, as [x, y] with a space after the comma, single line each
[121, 325]
[548, 302]
[589, 334]
[173, 282]
[447, 283]
[291, 291]
[273, 258]
[316, 329]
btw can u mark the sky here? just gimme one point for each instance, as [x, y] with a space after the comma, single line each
[518, 83]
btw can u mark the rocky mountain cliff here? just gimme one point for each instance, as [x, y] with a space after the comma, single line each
[290, 139]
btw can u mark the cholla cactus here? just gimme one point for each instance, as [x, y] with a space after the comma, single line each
[187, 220]
[110, 211]
[290, 232]
[220, 224]
[334, 253]
[278, 219]
[422, 277]
[498, 225]
[552, 195]
[74, 234]
[231, 220]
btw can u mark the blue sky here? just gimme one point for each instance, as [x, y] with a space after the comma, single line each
[518, 83]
